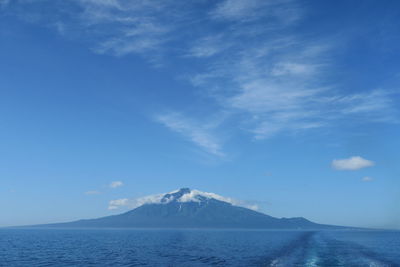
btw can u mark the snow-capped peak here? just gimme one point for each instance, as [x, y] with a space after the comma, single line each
[181, 195]
[188, 195]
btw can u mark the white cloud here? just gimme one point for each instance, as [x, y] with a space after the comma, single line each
[116, 27]
[116, 184]
[134, 203]
[195, 195]
[268, 96]
[291, 68]
[92, 192]
[367, 179]
[277, 86]
[192, 196]
[117, 203]
[132, 27]
[377, 104]
[352, 163]
[198, 133]
[208, 46]
[143, 37]
[250, 10]
[250, 62]
[235, 9]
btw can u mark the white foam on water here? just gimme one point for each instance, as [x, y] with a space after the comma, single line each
[312, 262]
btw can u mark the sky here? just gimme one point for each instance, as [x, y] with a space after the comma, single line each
[288, 106]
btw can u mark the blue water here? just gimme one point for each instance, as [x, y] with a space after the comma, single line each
[49, 247]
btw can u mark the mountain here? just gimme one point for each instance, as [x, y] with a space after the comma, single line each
[186, 208]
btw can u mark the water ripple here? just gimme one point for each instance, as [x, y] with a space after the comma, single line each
[28, 247]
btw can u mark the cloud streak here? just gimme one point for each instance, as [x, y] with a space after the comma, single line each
[199, 134]
[116, 184]
[117, 203]
[246, 58]
[367, 179]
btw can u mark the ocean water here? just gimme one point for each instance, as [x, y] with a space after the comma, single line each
[67, 247]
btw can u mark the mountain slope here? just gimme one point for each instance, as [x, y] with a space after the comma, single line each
[187, 208]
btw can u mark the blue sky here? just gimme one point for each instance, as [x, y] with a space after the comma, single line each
[288, 105]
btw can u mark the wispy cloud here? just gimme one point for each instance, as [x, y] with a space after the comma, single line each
[235, 9]
[244, 11]
[198, 133]
[274, 80]
[351, 164]
[208, 46]
[247, 58]
[116, 184]
[110, 26]
[134, 202]
[367, 179]
[137, 27]
[117, 203]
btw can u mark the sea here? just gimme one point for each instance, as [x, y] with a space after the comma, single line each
[157, 247]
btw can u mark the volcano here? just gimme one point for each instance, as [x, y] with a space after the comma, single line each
[186, 208]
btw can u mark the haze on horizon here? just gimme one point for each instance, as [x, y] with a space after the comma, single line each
[290, 107]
